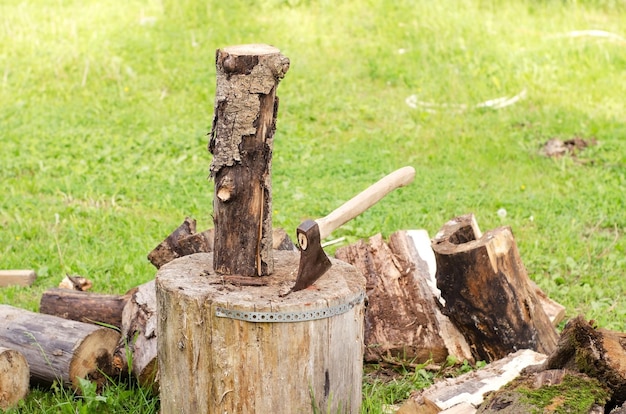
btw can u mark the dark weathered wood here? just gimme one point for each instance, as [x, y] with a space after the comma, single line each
[58, 349]
[241, 142]
[14, 377]
[213, 364]
[82, 306]
[402, 319]
[487, 292]
[169, 249]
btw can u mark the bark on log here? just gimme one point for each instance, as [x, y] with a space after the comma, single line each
[241, 142]
[169, 249]
[14, 377]
[58, 349]
[599, 353]
[487, 292]
[402, 319]
[139, 336]
[82, 306]
[211, 361]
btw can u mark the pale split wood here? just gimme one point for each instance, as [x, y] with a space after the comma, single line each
[14, 377]
[218, 364]
[58, 349]
[468, 390]
[17, 277]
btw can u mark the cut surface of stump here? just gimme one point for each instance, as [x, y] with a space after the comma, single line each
[14, 377]
[57, 348]
[487, 291]
[227, 347]
[241, 142]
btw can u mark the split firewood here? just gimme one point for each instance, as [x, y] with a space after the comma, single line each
[487, 291]
[85, 307]
[185, 241]
[598, 353]
[17, 277]
[58, 349]
[138, 342]
[402, 318]
[464, 393]
[14, 377]
[77, 283]
[169, 249]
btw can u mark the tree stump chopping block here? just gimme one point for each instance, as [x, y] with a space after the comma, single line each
[241, 142]
[487, 292]
[58, 349]
[230, 347]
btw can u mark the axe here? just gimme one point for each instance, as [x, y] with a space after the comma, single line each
[313, 261]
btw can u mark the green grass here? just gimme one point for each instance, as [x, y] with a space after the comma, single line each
[105, 107]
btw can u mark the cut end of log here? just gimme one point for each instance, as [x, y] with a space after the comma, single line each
[93, 360]
[14, 377]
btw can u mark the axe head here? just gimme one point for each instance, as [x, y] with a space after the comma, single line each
[313, 260]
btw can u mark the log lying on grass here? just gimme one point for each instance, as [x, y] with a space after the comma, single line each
[402, 318]
[58, 349]
[487, 292]
[14, 377]
[85, 307]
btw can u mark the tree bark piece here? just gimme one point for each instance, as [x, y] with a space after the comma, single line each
[57, 348]
[82, 306]
[14, 377]
[169, 249]
[210, 362]
[241, 142]
[138, 342]
[487, 292]
[402, 319]
[468, 390]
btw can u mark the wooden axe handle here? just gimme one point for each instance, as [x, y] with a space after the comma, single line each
[364, 200]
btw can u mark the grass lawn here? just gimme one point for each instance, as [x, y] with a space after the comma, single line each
[105, 109]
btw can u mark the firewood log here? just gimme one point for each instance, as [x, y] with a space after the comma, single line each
[14, 377]
[58, 349]
[487, 291]
[85, 307]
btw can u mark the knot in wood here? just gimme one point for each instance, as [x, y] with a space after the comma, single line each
[225, 189]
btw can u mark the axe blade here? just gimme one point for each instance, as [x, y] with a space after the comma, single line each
[313, 260]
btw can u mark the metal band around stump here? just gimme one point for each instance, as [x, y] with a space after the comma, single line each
[309, 315]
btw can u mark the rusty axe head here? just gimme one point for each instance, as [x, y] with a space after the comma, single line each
[313, 260]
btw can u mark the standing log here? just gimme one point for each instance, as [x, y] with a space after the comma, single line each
[138, 342]
[247, 349]
[58, 349]
[487, 292]
[241, 142]
[402, 319]
[85, 307]
[14, 377]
